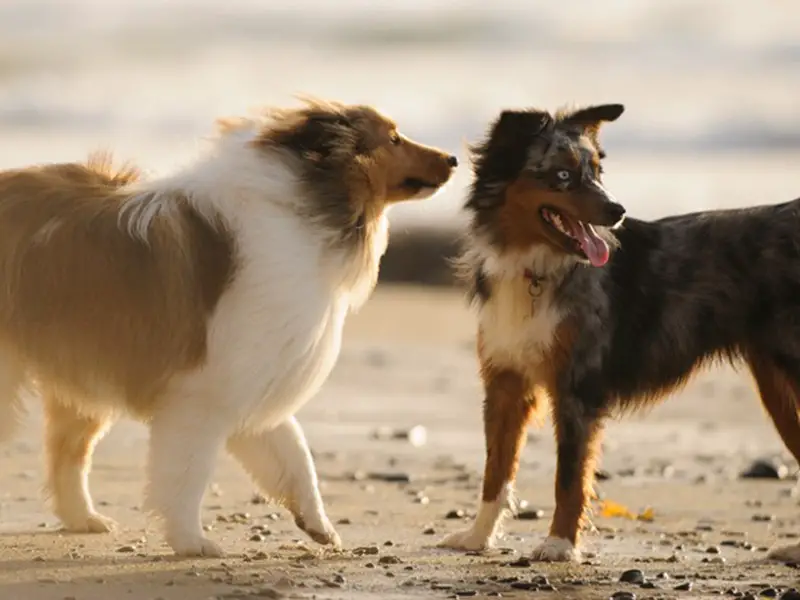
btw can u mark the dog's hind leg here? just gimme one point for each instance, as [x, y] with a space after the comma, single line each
[780, 393]
[70, 438]
[280, 463]
[509, 405]
[11, 408]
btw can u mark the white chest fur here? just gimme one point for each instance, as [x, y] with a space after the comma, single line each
[277, 331]
[516, 330]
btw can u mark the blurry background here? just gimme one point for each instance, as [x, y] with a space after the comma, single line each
[711, 87]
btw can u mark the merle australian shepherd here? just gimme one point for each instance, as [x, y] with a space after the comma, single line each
[597, 317]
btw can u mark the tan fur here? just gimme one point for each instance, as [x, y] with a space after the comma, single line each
[62, 251]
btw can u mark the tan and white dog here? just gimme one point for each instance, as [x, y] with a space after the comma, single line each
[208, 304]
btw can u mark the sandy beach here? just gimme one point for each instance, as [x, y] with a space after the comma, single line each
[408, 362]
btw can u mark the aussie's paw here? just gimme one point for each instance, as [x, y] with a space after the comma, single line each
[466, 539]
[195, 546]
[554, 549]
[321, 531]
[785, 553]
[92, 523]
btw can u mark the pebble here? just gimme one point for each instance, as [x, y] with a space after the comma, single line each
[126, 549]
[632, 576]
[344, 521]
[417, 436]
[713, 550]
[686, 586]
[792, 594]
[524, 585]
[429, 531]
[366, 550]
[530, 515]
[455, 514]
[399, 477]
[521, 562]
[389, 560]
[623, 596]
[763, 518]
[465, 593]
[765, 469]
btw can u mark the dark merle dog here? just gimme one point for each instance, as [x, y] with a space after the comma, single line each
[596, 317]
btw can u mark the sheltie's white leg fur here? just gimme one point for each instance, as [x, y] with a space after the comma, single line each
[185, 438]
[280, 463]
[11, 409]
[69, 442]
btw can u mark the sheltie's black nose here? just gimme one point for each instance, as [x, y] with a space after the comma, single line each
[452, 161]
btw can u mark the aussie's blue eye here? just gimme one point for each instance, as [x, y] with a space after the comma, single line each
[563, 175]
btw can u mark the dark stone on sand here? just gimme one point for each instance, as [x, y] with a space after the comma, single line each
[466, 593]
[390, 477]
[442, 586]
[521, 562]
[763, 518]
[765, 469]
[623, 596]
[713, 550]
[389, 560]
[344, 521]
[686, 586]
[632, 576]
[602, 475]
[366, 550]
[649, 585]
[429, 531]
[455, 514]
[524, 585]
[792, 594]
[530, 514]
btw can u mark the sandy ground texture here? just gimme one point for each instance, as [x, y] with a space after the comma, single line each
[408, 361]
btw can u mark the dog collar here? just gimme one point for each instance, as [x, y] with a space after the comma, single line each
[535, 283]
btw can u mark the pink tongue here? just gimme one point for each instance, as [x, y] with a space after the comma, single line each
[592, 245]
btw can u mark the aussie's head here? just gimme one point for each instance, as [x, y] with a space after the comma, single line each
[352, 160]
[538, 184]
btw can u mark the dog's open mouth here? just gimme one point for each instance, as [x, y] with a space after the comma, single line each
[414, 185]
[581, 235]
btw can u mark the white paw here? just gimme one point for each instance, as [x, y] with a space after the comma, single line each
[320, 530]
[554, 549]
[786, 553]
[94, 523]
[195, 546]
[466, 539]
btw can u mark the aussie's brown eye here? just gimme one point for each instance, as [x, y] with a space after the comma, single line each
[394, 137]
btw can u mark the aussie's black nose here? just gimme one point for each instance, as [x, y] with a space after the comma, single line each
[615, 211]
[452, 161]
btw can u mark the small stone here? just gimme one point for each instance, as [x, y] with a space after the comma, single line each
[429, 531]
[524, 585]
[339, 578]
[366, 550]
[632, 576]
[763, 518]
[686, 586]
[442, 586]
[390, 477]
[389, 560]
[126, 549]
[713, 550]
[466, 593]
[417, 436]
[765, 469]
[257, 499]
[521, 562]
[344, 521]
[455, 514]
[530, 514]
[792, 594]
[257, 537]
[623, 596]
[663, 575]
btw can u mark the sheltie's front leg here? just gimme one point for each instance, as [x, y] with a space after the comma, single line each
[508, 407]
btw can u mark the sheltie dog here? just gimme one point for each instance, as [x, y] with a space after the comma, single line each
[208, 304]
[596, 316]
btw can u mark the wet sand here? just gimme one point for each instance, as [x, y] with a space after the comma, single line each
[408, 361]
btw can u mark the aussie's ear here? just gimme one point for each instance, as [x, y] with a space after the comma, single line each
[517, 127]
[594, 115]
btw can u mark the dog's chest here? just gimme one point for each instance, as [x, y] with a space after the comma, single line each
[516, 329]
